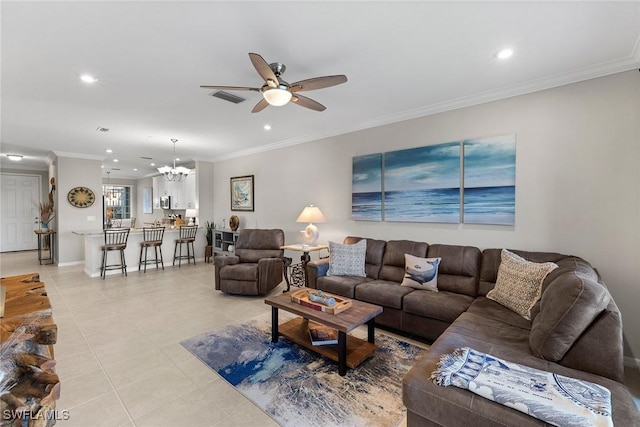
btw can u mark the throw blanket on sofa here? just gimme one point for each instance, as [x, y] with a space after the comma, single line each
[552, 398]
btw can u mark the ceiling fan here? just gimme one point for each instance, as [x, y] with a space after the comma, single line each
[277, 92]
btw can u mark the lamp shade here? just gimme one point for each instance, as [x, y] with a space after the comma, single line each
[311, 214]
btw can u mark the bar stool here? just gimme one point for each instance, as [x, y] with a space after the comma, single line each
[187, 236]
[114, 240]
[151, 238]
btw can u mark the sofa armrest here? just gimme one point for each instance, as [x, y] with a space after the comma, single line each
[221, 261]
[269, 274]
[315, 269]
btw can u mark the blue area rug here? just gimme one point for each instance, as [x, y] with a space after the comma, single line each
[298, 387]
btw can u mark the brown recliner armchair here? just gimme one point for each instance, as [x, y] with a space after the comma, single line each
[257, 266]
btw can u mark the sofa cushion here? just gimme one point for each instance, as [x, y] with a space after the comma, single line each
[430, 405]
[247, 271]
[340, 285]
[567, 264]
[445, 306]
[347, 260]
[568, 306]
[393, 260]
[459, 269]
[484, 307]
[421, 273]
[375, 252]
[381, 292]
[519, 283]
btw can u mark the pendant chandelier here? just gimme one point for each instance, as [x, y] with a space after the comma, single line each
[107, 194]
[174, 173]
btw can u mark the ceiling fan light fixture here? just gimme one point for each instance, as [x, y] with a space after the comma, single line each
[14, 157]
[277, 96]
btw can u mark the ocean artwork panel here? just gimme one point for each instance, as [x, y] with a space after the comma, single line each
[423, 184]
[490, 180]
[366, 188]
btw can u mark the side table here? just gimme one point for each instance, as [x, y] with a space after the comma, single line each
[45, 237]
[208, 252]
[301, 279]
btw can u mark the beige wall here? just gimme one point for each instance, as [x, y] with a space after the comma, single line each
[577, 177]
[73, 172]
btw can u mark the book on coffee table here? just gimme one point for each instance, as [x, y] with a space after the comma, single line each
[322, 335]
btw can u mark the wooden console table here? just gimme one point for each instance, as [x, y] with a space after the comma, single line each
[46, 238]
[27, 336]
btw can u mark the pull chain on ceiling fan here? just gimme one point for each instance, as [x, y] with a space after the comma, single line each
[278, 92]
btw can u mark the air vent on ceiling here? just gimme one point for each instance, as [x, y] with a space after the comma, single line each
[101, 129]
[115, 169]
[146, 158]
[227, 96]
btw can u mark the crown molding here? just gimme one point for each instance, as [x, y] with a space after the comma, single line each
[78, 155]
[604, 69]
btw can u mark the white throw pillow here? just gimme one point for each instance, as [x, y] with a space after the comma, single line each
[421, 273]
[519, 283]
[347, 260]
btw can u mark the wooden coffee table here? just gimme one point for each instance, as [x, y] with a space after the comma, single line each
[348, 352]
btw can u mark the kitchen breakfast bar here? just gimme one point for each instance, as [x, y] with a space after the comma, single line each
[94, 239]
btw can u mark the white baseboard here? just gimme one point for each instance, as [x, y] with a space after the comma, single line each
[632, 362]
[67, 264]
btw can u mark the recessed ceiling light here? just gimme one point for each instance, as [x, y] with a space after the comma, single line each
[115, 160]
[109, 150]
[135, 169]
[14, 157]
[267, 127]
[102, 166]
[504, 53]
[88, 78]
[152, 164]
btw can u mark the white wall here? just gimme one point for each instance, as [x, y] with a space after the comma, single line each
[577, 178]
[142, 218]
[204, 192]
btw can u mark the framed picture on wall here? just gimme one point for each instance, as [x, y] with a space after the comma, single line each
[242, 193]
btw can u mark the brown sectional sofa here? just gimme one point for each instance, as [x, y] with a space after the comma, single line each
[576, 328]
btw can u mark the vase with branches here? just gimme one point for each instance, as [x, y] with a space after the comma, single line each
[46, 214]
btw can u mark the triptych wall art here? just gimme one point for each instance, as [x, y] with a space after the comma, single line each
[471, 181]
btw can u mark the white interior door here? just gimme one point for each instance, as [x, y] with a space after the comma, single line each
[19, 211]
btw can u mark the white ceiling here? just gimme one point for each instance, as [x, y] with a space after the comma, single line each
[402, 59]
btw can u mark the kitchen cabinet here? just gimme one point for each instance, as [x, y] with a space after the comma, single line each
[183, 194]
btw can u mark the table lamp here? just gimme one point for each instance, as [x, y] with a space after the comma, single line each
[191, 214]
[311, 214]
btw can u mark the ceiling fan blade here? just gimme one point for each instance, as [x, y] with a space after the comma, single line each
[303, 101]
[255, 89]
[260, 106]
[263, 68]
[318, 83]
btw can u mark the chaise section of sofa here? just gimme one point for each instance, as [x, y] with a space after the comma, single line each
[575, 331]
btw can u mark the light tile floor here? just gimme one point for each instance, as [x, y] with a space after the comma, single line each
[119, 355]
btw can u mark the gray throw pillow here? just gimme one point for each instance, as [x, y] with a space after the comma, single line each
[347, 260]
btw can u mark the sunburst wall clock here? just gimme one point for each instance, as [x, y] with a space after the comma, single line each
[81, 197]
